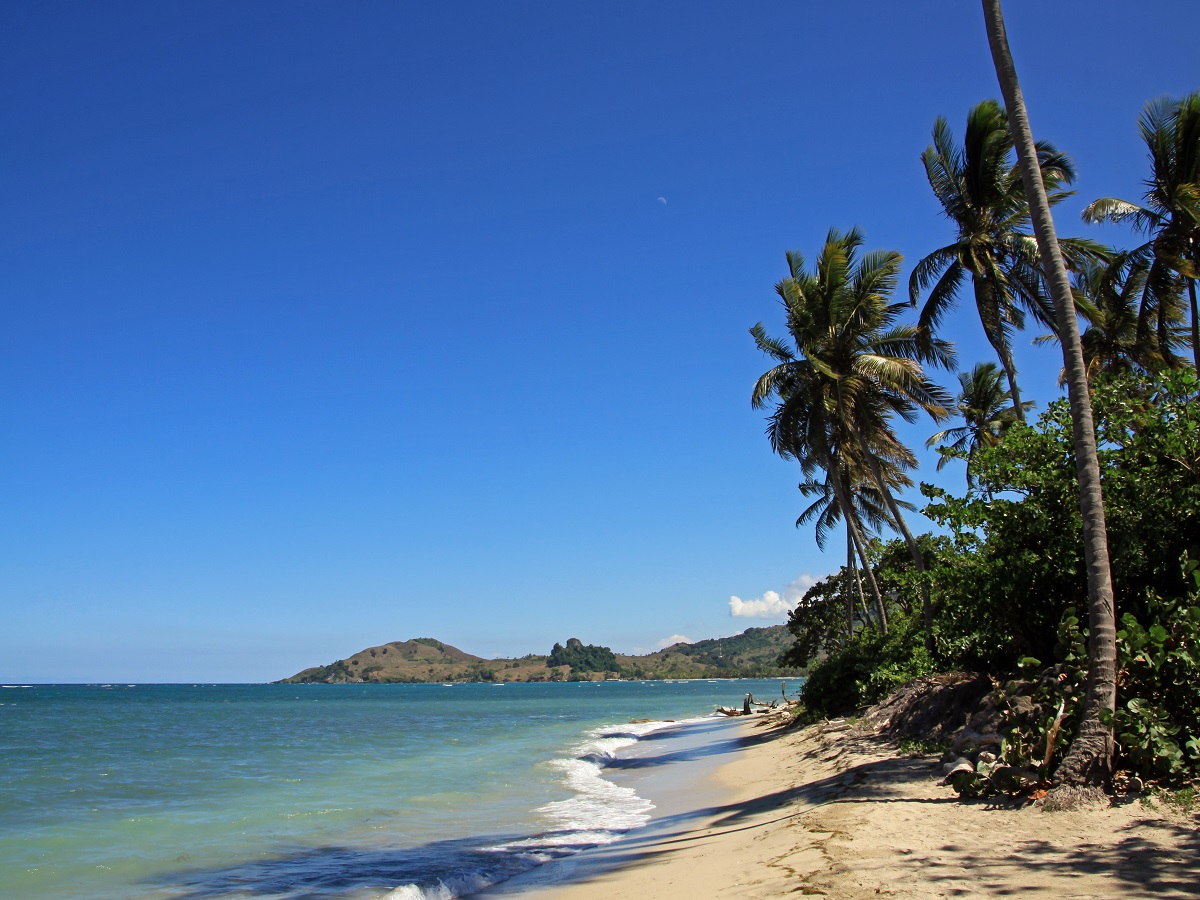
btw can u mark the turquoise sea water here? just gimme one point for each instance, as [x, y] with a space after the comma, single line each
[316, 791]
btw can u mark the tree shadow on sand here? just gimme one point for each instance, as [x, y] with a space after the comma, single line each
[1149, 858]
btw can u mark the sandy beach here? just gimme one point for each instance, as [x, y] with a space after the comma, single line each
[841, 812]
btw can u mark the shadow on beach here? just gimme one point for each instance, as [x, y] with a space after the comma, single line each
[1135, 862]
[1148, 857]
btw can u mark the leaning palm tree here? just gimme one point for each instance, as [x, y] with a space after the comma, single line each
[800, 430]
[987, 411]
[979, 188]
[1170, 211]
[854, 369]
[1089, 759]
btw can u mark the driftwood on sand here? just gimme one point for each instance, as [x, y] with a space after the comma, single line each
[749, 704]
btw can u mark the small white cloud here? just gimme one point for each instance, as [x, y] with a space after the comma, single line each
[772, 605]
[672, 640]
[662, 200]
[769, 606]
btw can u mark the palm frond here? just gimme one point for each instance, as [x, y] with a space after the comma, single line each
[1112, 209]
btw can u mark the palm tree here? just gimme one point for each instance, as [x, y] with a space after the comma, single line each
[1170, 213]
[870, 510]
[869, 505]
[800, 430]
[1119, 301]
[1089, 759]
[855, 368]
[979, 189]
[987, 411]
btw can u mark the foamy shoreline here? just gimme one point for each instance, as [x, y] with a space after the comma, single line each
[844, 814]
[612, 774]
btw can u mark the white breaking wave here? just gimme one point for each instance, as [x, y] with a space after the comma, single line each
[447, 889]
[598, 813]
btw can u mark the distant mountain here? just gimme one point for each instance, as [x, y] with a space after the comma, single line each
[753, 653]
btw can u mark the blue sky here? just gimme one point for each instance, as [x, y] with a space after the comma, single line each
[332, 324]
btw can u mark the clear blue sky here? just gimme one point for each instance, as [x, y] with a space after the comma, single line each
[330, 324]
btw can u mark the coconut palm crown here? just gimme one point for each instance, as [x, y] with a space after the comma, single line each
[853, 365]
[979, 188]
[1169, 213]
[850, 367]
[1118, 302]
[869, 505]
[987, 411]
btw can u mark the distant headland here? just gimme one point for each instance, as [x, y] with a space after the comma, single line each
[752, 654]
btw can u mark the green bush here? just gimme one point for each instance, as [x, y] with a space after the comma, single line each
[1017, 562]
[1157, 719]
[867, 668]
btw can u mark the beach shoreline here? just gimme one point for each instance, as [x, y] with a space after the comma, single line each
[841, 812]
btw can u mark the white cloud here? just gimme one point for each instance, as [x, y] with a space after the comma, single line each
[769, 606]
[673, 639]
[772, 605]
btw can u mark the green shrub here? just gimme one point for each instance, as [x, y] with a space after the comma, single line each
[867, 668]
[1157, 719]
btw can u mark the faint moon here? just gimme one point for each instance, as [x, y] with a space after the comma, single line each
[662, 200]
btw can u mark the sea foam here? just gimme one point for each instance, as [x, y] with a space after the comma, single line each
[598, 813]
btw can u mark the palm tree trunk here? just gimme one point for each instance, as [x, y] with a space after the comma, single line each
[1089, 759]
[843, 498]
[865, 567]
[852, 568]
[901, 526]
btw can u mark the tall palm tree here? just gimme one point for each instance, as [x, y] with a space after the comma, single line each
[799, 429]
[1089, 759]
[855, 368]
[979, 188]
[987, 411]
[1170, 210]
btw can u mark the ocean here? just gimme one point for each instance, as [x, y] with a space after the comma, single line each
[404, 792]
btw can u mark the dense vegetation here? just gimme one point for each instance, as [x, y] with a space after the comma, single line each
[755, 653]
[583, 658]
[1014, 584]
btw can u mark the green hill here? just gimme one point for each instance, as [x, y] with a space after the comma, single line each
[754, 653]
